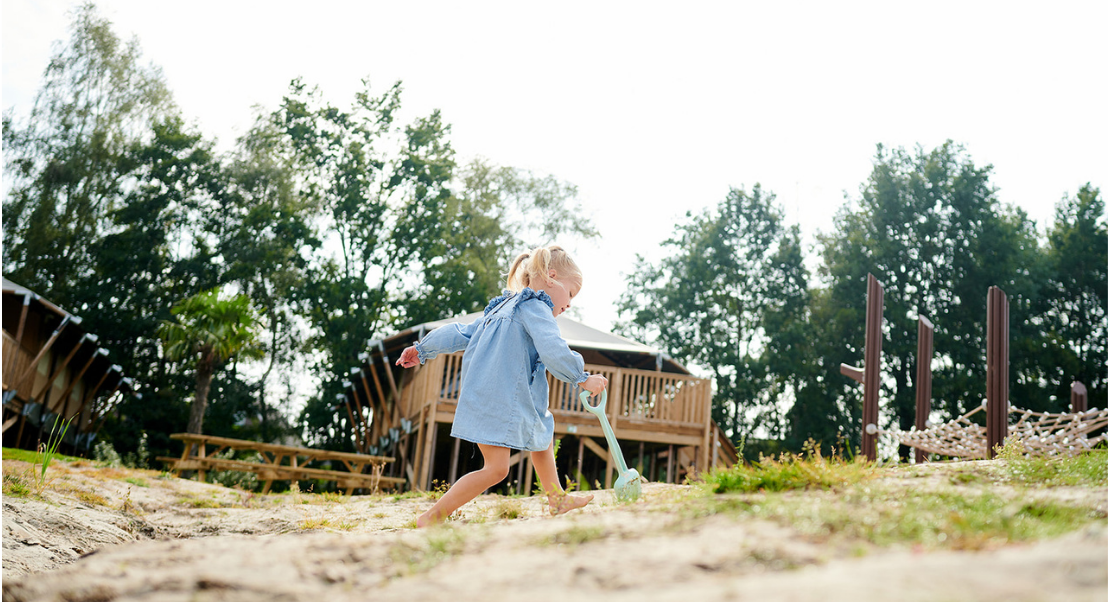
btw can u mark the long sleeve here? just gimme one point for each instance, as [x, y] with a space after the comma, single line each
[445, 339]
[556, 355]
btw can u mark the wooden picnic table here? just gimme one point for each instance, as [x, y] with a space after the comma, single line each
[281, 463]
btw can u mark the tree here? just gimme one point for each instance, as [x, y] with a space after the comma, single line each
[69, 164]
[930, 227]
[730, 275]
[209, 331]
[493, 214]
[1076, 300]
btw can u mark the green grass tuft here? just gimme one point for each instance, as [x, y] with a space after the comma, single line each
[789, 472]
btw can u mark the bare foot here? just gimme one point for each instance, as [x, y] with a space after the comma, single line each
[426, 520]
[561, 504]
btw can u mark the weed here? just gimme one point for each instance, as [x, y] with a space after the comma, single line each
[16, 486]
[1086, 469]
[438, 544]
[574, 536]
[48, 449]
[130, 507]
[348, 525]
[508, 509]
[199, 502]
[91, 498]
[790, 471]
[137, 481]
[320, 522]
[104, 453]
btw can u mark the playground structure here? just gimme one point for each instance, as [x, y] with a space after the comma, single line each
[658, 411]
[1038, 433]
[54, 371]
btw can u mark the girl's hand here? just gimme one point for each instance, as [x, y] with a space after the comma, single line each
[595, 384]
[409, 358]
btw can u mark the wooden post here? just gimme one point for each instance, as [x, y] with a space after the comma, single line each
[872, 359]
[454, 462]
[1078, 398]
[581, 453]
[998, 368]
[9, 365]
[924, 379]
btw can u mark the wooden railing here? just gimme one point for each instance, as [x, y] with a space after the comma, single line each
[637, 396]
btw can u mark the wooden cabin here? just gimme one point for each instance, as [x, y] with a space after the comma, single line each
[53, 369]
[659, 412]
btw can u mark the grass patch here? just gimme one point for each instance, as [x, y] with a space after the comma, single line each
[31, 457]
[1085, 470]
[320, 522]
[574, 536]
[439, 544]
[16, 485]
[90, 498]
[789, 471]
[844, 500]
[199, 502]
[137, 481]
[508, 509]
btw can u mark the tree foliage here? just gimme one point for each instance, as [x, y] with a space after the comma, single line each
[731, 274]
[208, 332]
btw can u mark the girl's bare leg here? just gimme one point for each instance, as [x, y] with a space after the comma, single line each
[470, 486]
[557, 499]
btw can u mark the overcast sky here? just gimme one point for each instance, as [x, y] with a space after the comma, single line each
[652, 110]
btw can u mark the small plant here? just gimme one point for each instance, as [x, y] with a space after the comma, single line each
[575, 536]
[136, 481]
[319, 522]
[138, 458]
[130, 507]
[508, 509]
[15, 486]
[47, 451]
[238, 479]
[104, 453]
[91, 498]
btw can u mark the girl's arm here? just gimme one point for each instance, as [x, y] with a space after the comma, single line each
[556, 355]
[445, 339]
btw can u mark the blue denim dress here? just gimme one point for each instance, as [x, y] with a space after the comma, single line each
[503, 397]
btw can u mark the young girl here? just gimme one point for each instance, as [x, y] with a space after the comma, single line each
[503, 398]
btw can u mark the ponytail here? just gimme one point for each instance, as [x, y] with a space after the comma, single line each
[531, 268]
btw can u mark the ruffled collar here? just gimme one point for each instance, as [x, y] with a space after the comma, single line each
[524, 295]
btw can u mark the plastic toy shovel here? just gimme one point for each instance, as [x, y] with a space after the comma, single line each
[627, 486]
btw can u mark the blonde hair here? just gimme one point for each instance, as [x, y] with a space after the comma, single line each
[531, 268]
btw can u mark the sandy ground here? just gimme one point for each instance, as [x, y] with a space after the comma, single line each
[97, 537]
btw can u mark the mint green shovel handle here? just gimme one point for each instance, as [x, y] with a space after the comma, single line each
[599, 411]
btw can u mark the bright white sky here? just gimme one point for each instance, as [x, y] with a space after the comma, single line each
[651, 110]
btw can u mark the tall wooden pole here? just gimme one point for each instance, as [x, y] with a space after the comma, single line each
[998, 368]
[869, 375]
[924, 379]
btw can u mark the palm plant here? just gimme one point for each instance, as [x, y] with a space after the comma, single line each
[212, 331]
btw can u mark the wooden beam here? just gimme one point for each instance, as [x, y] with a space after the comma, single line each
[19, 333]
[80, 374]
[33, 366]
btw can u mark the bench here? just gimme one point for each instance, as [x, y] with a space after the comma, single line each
[275, 467]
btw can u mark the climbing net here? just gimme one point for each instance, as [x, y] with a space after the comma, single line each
[1039, 433]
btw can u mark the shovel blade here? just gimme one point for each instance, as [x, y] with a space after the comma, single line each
[627, 486]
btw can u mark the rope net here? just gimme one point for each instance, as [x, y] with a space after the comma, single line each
[1039, 433]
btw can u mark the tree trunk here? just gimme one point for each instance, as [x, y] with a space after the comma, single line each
[205, 368]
